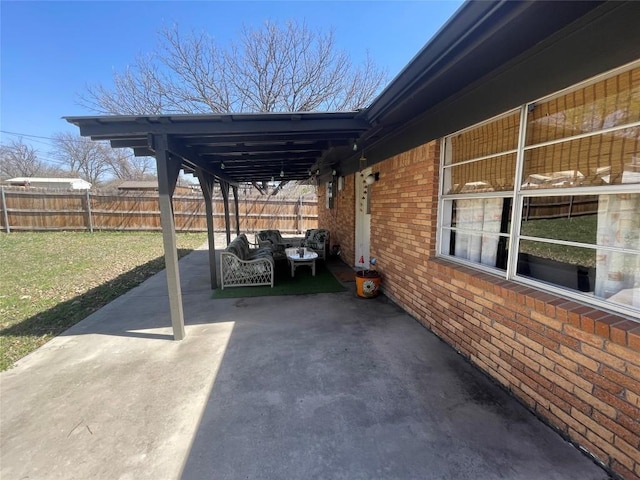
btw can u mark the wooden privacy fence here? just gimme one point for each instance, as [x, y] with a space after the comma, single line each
[25, 210]
[536, 208]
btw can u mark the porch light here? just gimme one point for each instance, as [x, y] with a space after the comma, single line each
[221, 165]
[372, 178]
[281, 173]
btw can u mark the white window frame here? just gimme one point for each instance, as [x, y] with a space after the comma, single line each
[519, 194]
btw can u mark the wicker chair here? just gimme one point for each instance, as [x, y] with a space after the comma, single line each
[317, 239]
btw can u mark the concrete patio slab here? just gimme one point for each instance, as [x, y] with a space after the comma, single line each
[315, 386]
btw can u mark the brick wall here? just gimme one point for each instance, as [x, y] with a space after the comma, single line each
[575, 366]
[340, 220]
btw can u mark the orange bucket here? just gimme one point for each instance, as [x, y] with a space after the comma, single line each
[367, 283]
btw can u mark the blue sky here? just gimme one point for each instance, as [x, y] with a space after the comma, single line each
[51, 50]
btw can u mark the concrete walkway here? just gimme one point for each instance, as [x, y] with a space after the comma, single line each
[318, 386]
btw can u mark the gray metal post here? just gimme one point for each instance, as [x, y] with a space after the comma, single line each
[299, 214]
[235, 203]
[224, 187]
[168, 170]
[207, 182]
[5, 213]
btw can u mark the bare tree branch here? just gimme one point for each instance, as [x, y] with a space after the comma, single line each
[270, 69]
[82, 156]
[20, 160]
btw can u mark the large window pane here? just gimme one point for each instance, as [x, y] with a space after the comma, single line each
[570, 267]
[491, 175]
[606, 220]
[497, 136]
[474, 227]
[608, 275]
[609, 159]
[608, 103]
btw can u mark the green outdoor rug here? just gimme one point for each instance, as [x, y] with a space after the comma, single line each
[303, 283]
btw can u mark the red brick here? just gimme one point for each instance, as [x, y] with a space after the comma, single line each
[619, 331]
[550, 308]
[587, 323]
[563, 310]
[603, 357]
[528, 323]
[546, 320]
[578, 380]
[543, 340]
[579, 358]
[593, 426]
[633, 371]
[631, 451]
[631, 424]
[601, 381]
[572, 400]
[617, 403]
[629, 436]
[563, 339]
[624, 352]
[576, 312]
[621, 379]
[596, 403]
[541, 299]
[584, 336]
[632, 398]
[603, 325]
[623, 471]
[633, 338]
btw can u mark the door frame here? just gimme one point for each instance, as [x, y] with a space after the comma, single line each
[363, 219]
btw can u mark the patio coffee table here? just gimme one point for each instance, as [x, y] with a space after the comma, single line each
[295, 260]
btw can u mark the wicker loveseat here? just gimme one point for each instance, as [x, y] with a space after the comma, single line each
[242, 266]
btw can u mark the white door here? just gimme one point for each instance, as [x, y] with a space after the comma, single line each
[363, 219]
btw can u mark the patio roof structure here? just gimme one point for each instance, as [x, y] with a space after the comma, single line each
[485, 48]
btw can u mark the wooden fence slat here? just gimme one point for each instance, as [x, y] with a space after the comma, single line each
[55, 210]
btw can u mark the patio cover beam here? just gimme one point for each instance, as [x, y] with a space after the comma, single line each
[110, 127]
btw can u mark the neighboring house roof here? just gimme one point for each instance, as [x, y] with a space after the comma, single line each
[138, 185]
[73, 183]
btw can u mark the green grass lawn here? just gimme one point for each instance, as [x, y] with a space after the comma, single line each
[50, 281]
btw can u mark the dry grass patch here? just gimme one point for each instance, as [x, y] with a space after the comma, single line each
[49, 281]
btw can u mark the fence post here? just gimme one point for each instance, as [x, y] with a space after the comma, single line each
[89, 219]
[4, 211]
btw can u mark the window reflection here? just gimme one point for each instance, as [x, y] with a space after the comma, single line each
[608, 159]
[611, 102]
[569, 267]
[490, 175]
[491, 138]
[609, 222]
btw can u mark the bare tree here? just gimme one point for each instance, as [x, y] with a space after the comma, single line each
[82, 156]
[125, 166]
[272, 69]
[20, 160]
